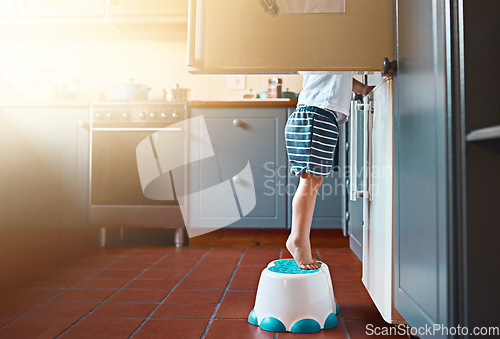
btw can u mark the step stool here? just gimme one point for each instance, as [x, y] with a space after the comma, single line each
[291, 299]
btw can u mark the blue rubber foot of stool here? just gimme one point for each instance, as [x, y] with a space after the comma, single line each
[272, 324]
[331, 321]
[252, 318]
[306, 326]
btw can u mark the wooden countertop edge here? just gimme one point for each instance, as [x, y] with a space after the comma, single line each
[197, 103]
[250, 103]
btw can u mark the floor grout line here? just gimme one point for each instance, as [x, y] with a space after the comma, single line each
[64, 289]
[339, 315]
[317, 254]
[168, 294]
[112, 294]
[222, 296]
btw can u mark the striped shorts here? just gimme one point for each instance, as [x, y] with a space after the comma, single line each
[311, 135]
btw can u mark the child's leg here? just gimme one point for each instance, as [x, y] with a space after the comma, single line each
[303, 202]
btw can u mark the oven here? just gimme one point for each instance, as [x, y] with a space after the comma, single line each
[116, 195]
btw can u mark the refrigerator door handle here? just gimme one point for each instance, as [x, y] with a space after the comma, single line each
[367, 108]
[353, 157]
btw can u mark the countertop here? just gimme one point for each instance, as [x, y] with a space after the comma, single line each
[197, 103]
[45, 104]
[247, 102]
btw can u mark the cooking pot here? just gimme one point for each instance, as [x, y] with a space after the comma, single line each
[176, 94]
[128, 91]
[289, 95]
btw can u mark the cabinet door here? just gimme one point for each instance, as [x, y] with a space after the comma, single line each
[54, 9]
[152, 8]
[248, 135]
[421, 173]
[241, 36]
[95, 11]
[48, 168]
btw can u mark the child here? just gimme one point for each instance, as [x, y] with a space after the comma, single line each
[311, 135]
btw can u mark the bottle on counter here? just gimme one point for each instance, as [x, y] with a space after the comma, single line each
[275, 88]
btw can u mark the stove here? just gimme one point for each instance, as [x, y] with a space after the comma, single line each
[116, 195]
[143, 113]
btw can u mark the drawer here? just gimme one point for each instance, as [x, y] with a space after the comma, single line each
[246, 134]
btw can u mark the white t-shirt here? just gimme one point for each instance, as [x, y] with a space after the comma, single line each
[328, 90]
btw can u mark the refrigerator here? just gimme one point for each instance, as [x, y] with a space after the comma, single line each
[253, 37]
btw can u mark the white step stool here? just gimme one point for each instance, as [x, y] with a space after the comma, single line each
[290, 299]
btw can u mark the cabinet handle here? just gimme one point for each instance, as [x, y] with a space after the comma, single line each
[237, 122]
[83, 124]
[388, 66]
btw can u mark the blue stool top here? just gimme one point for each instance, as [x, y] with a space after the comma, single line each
[289, 266]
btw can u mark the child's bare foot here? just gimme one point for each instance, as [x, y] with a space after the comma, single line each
[300, 249]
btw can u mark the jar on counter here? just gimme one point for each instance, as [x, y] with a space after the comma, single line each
[275, 88]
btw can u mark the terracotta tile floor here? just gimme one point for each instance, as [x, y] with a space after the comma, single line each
[192, 292]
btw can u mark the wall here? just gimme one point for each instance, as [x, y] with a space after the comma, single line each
[98, 59]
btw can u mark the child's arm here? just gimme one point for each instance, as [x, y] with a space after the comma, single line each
[361, 88]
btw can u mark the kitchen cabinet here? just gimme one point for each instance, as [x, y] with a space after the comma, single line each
[242, 37]
[57, 9]
[149, 8]
[329, 211]
[46, 167]
[254, 135]
[72, 12]
[43, 191]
